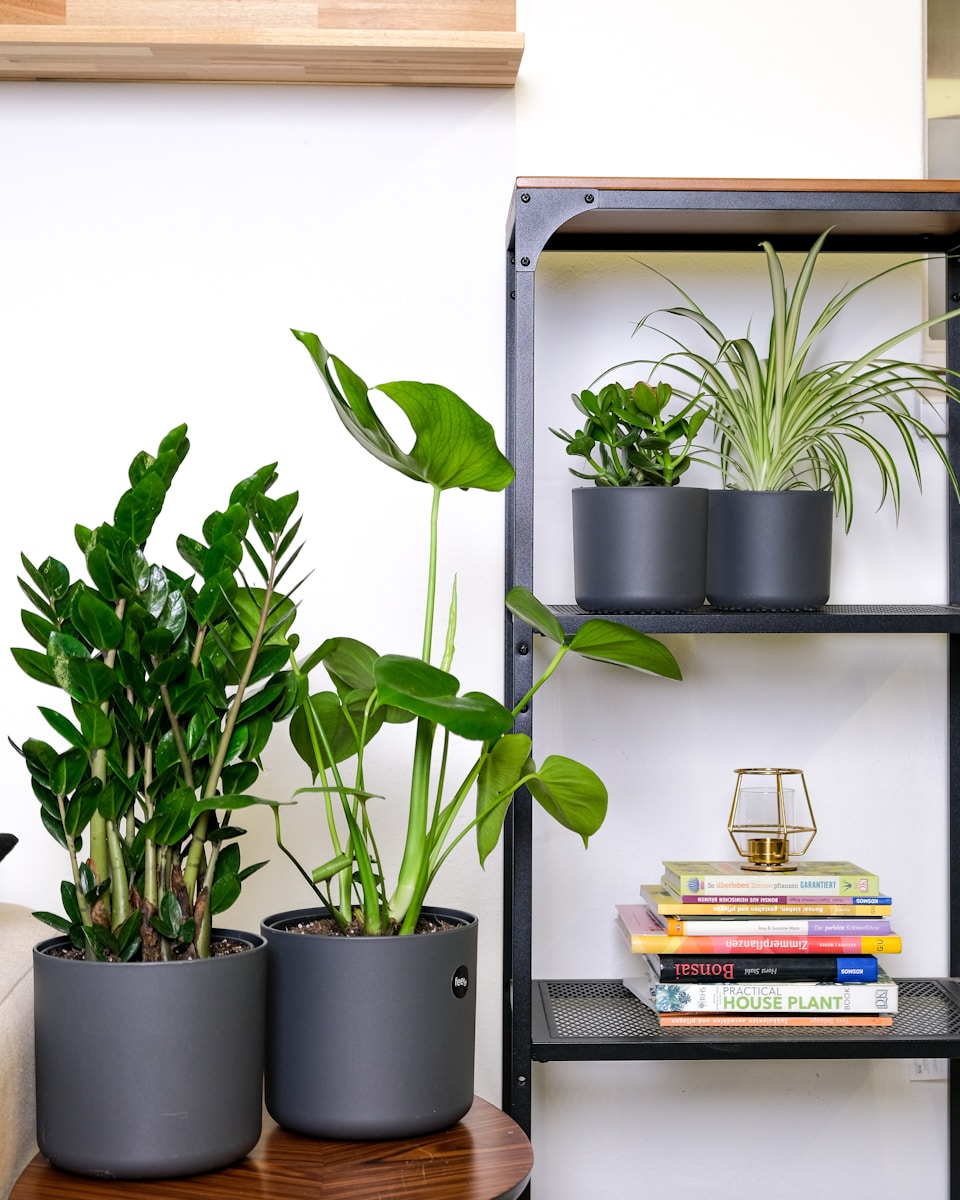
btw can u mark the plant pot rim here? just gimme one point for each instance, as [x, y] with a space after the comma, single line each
[640, 487]
[254, 941]
[279, 922]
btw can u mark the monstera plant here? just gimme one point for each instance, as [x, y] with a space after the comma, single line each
[453, 448]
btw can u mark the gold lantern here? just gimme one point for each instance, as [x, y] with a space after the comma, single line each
[768, 820]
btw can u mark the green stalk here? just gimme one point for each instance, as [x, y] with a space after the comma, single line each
[431, 577]
[415, 848]
[191, 870]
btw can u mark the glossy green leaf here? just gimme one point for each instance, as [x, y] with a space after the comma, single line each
[68, 771]
[35, 665]
[524, 604]
[501, 770]
[63, 725]
[454, 446]
[172, 818]
[611, 642]
[95, 725]
[81, 806]
[104, 627]
[428, 692]
[571, 793]
[91, 679]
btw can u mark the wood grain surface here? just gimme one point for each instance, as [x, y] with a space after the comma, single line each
[485, 1157]
[464, 43]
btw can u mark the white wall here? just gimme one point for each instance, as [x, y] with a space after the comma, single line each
[157, 242]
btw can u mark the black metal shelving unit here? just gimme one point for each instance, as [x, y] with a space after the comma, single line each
[553, 1020]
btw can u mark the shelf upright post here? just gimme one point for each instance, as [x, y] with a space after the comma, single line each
[534, 216]
[953, 687]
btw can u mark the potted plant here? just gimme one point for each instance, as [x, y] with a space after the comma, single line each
[371, 1029]
[149, 1033]
[783, 426]
[639, 541]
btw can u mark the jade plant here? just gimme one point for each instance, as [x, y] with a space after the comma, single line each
[782, 421]
[631, 437]
[172, 685]
[454, 447]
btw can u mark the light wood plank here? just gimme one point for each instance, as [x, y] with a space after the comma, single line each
[492, 15]
[466, 59]
[33, 12]
[186, 14]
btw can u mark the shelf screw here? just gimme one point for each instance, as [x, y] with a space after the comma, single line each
[524, 262]
[523, 648]
[955, 297]
[521, 1081]
[525, 197]
[513, 295]
[589, 197]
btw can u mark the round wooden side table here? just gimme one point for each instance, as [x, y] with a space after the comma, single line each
[485, 1157]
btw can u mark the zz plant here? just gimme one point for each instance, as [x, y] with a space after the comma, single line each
[173, 686]
[332, 728]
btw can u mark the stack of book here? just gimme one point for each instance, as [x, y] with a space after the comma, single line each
[722, 946]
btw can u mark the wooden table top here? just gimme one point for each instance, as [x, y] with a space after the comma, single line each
[485, 1157]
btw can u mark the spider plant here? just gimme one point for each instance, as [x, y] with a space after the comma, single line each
[454, 447]
[782, 422]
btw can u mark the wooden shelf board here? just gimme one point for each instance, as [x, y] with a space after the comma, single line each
[461, 58]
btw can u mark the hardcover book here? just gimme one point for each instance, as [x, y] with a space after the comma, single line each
[722, 1020]
[809, 968]
[770, 999]
[828, 878]
[645, 935]
[710, 926]
[662, 900]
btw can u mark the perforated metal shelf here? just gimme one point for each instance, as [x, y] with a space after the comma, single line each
[601, 1019]
[832, 618]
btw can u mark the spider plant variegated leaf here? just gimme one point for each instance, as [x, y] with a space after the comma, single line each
[782, 421]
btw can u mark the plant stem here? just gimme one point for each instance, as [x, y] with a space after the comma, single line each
[431, 577]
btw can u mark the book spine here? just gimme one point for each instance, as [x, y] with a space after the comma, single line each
[709, 926]
[664, 943]
[774, 999]
[673, 1020]
[811, 968]
[773, 911]
[785, 899]
[764, 884]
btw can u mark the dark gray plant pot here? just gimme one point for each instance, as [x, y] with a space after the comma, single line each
[370, 1038]
[149, 1070]
[769, 550]
[639, 549]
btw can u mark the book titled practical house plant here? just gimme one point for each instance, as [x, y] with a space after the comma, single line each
[639, 540]
[149, 1020]
[783, 426]
[371, 1021]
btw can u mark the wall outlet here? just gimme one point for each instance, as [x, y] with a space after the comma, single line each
[924, 1070]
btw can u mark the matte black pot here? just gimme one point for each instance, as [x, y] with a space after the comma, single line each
[639, 549]
[370, 1037]
[149, 1070]
[769, 550]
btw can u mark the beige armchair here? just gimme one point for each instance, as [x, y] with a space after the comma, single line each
[19, 933]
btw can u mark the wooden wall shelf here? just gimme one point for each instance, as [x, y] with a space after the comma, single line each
[462, 43]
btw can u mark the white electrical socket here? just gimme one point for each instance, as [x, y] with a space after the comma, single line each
[925, 1070]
